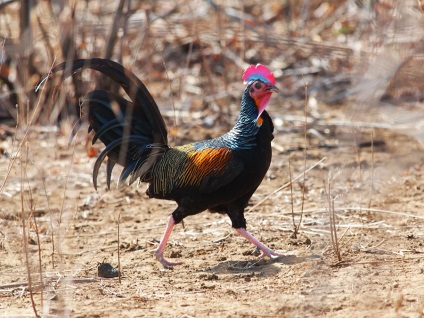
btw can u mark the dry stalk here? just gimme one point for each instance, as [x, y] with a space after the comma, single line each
[296, 227]
[66, 184]
[243, 34]
[119, 250]
[305, 129]
[43, 182]
[3, 52]
[206, 66]
[114, 30]
[372, 169]
[358, 161]
[34, 219]
[332, 214]
[174, 133]
[45, 36]
[24, 138]
[291, 201]
[222, 47]
[208, 72]
[25, 236]
[286, 185]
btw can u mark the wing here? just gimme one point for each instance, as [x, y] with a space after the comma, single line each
[185, 168]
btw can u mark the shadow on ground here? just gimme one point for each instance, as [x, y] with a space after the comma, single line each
[266, 267]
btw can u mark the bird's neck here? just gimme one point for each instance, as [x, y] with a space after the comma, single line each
[243, 135]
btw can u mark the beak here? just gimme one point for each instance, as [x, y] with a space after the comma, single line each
[272, 88]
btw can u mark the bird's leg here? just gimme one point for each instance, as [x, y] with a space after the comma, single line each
[266, 251]
[162, 245]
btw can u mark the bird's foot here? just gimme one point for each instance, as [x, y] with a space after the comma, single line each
[267, 252]
[164, 262]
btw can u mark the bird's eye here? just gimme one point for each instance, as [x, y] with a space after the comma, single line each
[258, 85]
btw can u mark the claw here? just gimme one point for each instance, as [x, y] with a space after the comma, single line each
[269, 253]
[164, 262]
[265, 250]
[161, 247]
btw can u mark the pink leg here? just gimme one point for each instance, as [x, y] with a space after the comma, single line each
[266, 251]
[162, 245]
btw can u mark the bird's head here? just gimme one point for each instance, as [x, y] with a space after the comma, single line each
[260, 84]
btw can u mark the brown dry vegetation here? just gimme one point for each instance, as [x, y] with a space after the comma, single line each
[350, 107]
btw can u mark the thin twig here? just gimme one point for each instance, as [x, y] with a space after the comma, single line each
[66, 183]
[285, 185]
[114, 30]
[24, 138]
[119, 243]
[342, 236]
[25, 237]
[3, 52]
[305, 130]
[61, 280]
[221, 239]
[40, 267]
[372, 170]
[291, 200]
[174, 134]
[43, 182]
[336, 239]
[332, 214]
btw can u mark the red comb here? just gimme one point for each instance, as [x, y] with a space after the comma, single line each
[258, 72]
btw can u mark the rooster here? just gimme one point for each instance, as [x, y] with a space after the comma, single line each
[219, 175]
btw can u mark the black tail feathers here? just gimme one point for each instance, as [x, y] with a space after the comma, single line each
[134, 132]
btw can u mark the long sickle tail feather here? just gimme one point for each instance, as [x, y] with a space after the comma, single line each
[134, 132]
[135, 89]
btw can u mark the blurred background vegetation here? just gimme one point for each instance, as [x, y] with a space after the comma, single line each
[191, 54]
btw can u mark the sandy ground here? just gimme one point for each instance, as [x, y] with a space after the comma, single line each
[378, 201]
